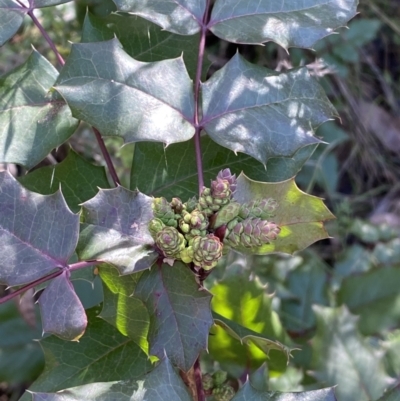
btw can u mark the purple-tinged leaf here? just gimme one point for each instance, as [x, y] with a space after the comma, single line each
[121, 96]
[180, 314]
[11, 18]
[178, 16]
[115, 230]
[263, 113]
[61, 309]
[38, 233]
[47, 3]
[288, 23]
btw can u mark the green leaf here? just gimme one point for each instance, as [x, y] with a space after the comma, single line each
[102, 354]
[299, 215]
[298, 24]
[143, 40]
[21, 359]
[263, 113]
[78, 179]
[341, 357]
[178, 16]
[11, 19]
[125, 312]
[32, 245]
[249, 393]
[121, 96]
[47, 3]
[62, 311]
[391, 395]
[244, 311]
[32, 121]
[375, 297]
[162, 383]
[115, 230]
[180, 315]
[172, 172]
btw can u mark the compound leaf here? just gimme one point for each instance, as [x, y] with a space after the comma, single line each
[180, 315]
[178, 16]
[38, 233]
[289, 24]
[115, 230]
[32, 121]
[11, 19]
[263, 113]
[121, 96]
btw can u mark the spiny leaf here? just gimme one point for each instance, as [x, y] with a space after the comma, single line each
[289, 24]
[391, 395]
[11, 18]
[263, 113]
[32, 121]
[115, 230]
[121, 96]
[299, 215]
[38, 233]
[180, 315]
[162, 383]
[102, 354]
[179, 16]
[62, 311]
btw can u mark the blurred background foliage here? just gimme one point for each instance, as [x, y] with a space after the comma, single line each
[338, 301]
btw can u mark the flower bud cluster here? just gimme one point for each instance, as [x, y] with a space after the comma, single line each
[218, 386]
[200, 230]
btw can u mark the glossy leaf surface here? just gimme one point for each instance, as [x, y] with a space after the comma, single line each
[289, 24]
[121, 96]
[262, 113]
[180, 314]
[115, 230]
[38, 233]
[299, 215]
[32, 120]
[11, 18]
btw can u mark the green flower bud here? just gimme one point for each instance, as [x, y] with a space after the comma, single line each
[262, 208]
[186, 255]
[226, 214]
[170, 241]
[177, 205]
[208, 382]
[155, 225]
[191, 204]
[220, 377]
[162, 210]
[223, 393]
[206, 251]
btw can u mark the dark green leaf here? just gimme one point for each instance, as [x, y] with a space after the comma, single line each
[180, 315]
[32, 121]
[61, 309]
[299, 215]
[289, 24]
[115, 230]
[38, 233]
[172, 172]
[341, 357]
[375, 297]
[102, 354]
[391, 395]
[179, 16]
[249, 393]
[263, 113]
[79, 180]
[124, 97]
[11, 18]
[163, 383]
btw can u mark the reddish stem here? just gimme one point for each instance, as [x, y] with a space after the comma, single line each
[201, 396]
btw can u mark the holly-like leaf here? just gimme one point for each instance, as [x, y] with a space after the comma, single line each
[263, 113]
[38, 233]
[184, 17]
[289, 24]
[142, 39]
[172, 172]
[11, 19]
[124, 311]
[249, 393]
[391, 395]
[78, 179]
[115, 230]
[121, 96]
[32, 121]
[341, 357]
[62, 311]
[180, 315]
[102, 354]
[162, 383]
[375, 297]
[47, 3]
[299, 215]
